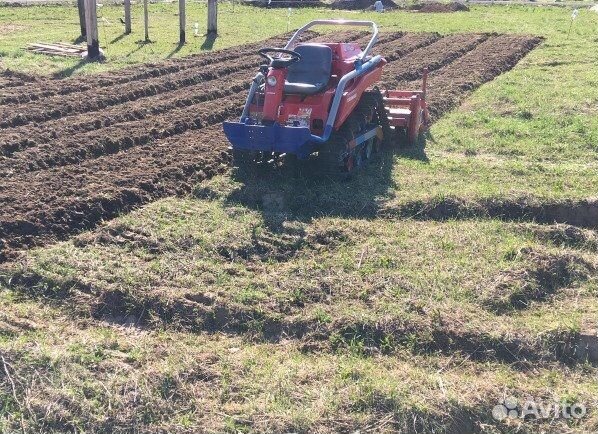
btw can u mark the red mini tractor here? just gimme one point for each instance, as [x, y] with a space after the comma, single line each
[321, 98]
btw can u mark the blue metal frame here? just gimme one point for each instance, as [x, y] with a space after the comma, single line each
[296, 140]
[270, 138]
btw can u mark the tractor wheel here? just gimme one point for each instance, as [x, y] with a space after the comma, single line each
[337, 155]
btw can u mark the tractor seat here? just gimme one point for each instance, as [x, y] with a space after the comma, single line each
[311, 74]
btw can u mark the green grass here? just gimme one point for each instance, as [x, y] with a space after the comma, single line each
[409, 280]
[60, 24]
[240, 24]
[218, 312]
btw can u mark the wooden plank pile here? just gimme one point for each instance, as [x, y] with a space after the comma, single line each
[58, 49]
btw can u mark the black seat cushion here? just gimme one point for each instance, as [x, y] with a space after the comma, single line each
[311, 74]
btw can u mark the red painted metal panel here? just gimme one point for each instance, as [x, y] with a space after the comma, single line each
[274, 94]
[354, 91]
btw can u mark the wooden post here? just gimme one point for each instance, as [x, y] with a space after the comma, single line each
[182, 22]
[127, 17]
[146, 20]
[81, 8]
[91, 22]
[212, 17]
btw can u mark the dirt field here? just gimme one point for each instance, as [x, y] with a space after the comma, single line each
[437, 7]
[15, 79]
[356, 5]
[86, 151]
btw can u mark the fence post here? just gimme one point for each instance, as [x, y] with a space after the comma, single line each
[81, 8]
[212, 17]
[146, 21]
[91, 22]
[127, 17]
[182, 22]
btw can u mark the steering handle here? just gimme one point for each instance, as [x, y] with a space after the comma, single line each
[294, 55]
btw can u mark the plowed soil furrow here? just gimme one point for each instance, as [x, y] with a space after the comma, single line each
[90, 100]
[349, 35]
[35, 92]
[449, 85]
[147, 72]
[16, 139]
[93, 100]
[433, 56]
[61, 201]
[383, 38]
[395, 50]
[113, 139]
[95, 172]
[13, 79]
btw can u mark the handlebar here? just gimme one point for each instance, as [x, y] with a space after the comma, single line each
[371, 24]
[279, 62]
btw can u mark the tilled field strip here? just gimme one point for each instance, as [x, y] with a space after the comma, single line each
[10, 80]
[175, 109]
[180, 111]
[58, 106]
[34, 92]
[113, 139]
[167, 73]
[71, 139]
[92, 100]
[433, 56]
[489, 59]
[76, 197]
[22, 137]
[28, 91]
[70, 178]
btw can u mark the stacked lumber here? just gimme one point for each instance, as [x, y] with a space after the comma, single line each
[58, 49]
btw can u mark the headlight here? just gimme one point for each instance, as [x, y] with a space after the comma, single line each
[271, 81]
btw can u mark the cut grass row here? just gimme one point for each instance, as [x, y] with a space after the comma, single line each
[234, 261]
[379, 297]
[115, 379]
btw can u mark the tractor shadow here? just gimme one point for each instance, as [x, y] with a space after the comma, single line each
[305, 191]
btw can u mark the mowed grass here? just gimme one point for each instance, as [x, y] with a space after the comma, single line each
[116, 380]
[277, 304]
[205, 313]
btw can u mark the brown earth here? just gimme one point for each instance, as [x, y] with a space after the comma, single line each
[542, 277]
[582, 213]
[284, 4]
[10, 78]
[352, 5]
[140, 72]
[437, 7]
[130, 137]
